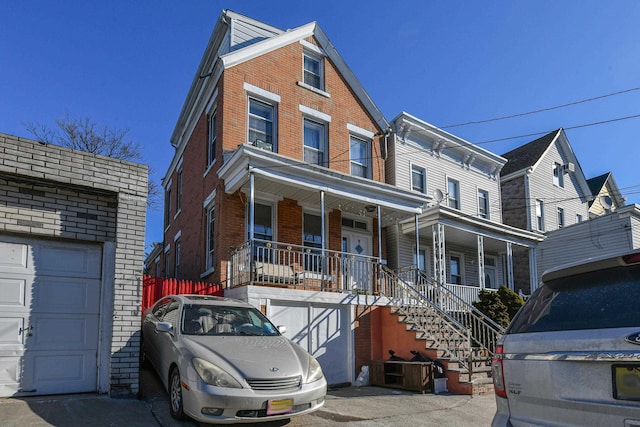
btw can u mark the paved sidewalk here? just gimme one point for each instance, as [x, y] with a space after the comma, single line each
[353, 406]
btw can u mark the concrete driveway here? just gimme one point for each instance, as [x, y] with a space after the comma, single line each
[360, 406]
[355, 406]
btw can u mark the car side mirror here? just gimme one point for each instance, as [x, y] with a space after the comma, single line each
[165, 327]
[282, 329]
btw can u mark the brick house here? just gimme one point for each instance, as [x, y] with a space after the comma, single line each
[71, 251]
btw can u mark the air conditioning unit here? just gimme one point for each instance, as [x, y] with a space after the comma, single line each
[569, 167]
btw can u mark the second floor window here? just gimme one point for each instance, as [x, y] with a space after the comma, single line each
[453, 193]
[211, 140]
[313, 72]
[261, 124]
[314, 142]
[483, 204]
[540, 215]
[177, 260]
[179, 191]
[359, 154]
[167, 205]
[560, 217]
[210, 236]
[418, 179]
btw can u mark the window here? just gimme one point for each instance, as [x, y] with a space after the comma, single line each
[418, 179]
[421, 262]
[558, 175]
[453, 193]
[313, 71]
[483, 204]
[261, 124]
[167, 205]
[314, 142]
[560, 217]
[166, 262]
[263, 230]
[312, 238]
[578, 218]
[455, 269]
[359, 152]
[211, 141]
[179, 191]
[177, 260]
[210, 236]
[540, 215]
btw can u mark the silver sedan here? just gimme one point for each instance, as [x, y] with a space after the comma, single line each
[223, 361]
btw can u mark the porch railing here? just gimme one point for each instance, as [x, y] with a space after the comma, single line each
[302, 267]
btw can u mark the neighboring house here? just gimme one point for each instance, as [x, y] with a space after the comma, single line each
[277, 187]
[606, 195]
[71, 257]
[543, 189]
[461, 229]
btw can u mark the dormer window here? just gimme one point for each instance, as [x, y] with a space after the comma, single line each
[313, 71]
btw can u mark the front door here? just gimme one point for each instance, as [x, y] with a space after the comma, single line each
[357, 268]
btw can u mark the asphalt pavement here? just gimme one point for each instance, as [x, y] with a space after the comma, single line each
[352, 406]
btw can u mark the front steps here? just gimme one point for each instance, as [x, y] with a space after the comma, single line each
[458, 380]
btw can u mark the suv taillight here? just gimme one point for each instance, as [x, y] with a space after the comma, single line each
[497, 372]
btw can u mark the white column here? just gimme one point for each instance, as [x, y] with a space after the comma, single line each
[510, 282]
[533, 270]
[481, 261]
[251, 205]
[439, 254]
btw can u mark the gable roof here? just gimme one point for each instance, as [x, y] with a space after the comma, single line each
[225, 50]
[526, 156]
[606, 183]
[596, 184]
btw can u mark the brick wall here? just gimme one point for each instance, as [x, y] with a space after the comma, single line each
[55, 192]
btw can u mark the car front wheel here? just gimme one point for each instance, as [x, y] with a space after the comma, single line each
[175, 395]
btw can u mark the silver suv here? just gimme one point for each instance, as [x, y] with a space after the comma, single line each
[571, 356]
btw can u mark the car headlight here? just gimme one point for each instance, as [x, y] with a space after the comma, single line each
[213, 375]
[315, 371]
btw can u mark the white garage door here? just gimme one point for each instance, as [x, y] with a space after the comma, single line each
[49, 314]
[322, 330]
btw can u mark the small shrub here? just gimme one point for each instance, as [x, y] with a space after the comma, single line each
[490, 304]
[511, 300]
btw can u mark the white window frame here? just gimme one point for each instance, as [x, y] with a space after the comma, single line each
[453, 198]
[211, 138]
[460, 267]
[558, 175]
[320, 76]
[363, 163]
[579, 218]
[167, 251]
[167, 204]
[420, 170]
[322, 150]
[539, 215]
[560, 216]
[176, 260]
[210, 215]
[485, 199]
[178, 192]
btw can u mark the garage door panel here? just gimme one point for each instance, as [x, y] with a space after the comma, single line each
[14, 257]
[59, 372]
[11, 333]
[68, 261]
[66, 295]
[9, 371]
[13, 291]
[63, 332]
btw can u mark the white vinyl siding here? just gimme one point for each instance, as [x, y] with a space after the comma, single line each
[404, 154]
[541, 187]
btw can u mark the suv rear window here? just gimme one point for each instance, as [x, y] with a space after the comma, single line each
[596, 300]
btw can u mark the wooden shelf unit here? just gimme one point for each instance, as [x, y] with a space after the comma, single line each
[415, 376]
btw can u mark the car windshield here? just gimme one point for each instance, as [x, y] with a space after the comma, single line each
[225, 320]
[595, 300]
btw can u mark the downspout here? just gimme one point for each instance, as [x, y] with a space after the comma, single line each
[251, 224]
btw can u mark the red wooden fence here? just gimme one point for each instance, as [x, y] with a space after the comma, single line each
[154, 288]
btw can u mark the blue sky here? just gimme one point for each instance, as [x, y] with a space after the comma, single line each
[129, 64]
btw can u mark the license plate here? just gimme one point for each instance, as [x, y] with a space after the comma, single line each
[626, 382]
[283, 406]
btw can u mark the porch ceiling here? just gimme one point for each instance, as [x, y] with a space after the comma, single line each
[286, 178]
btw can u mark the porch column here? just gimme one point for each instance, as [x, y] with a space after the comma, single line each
[251, 205]
[322, 225]
[533, 270]
[510, 266]
[417, 246]
[439, 264]
[481, 261]
[380, 234]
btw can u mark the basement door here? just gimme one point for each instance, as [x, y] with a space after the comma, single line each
[49, 315]
[321, 329]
